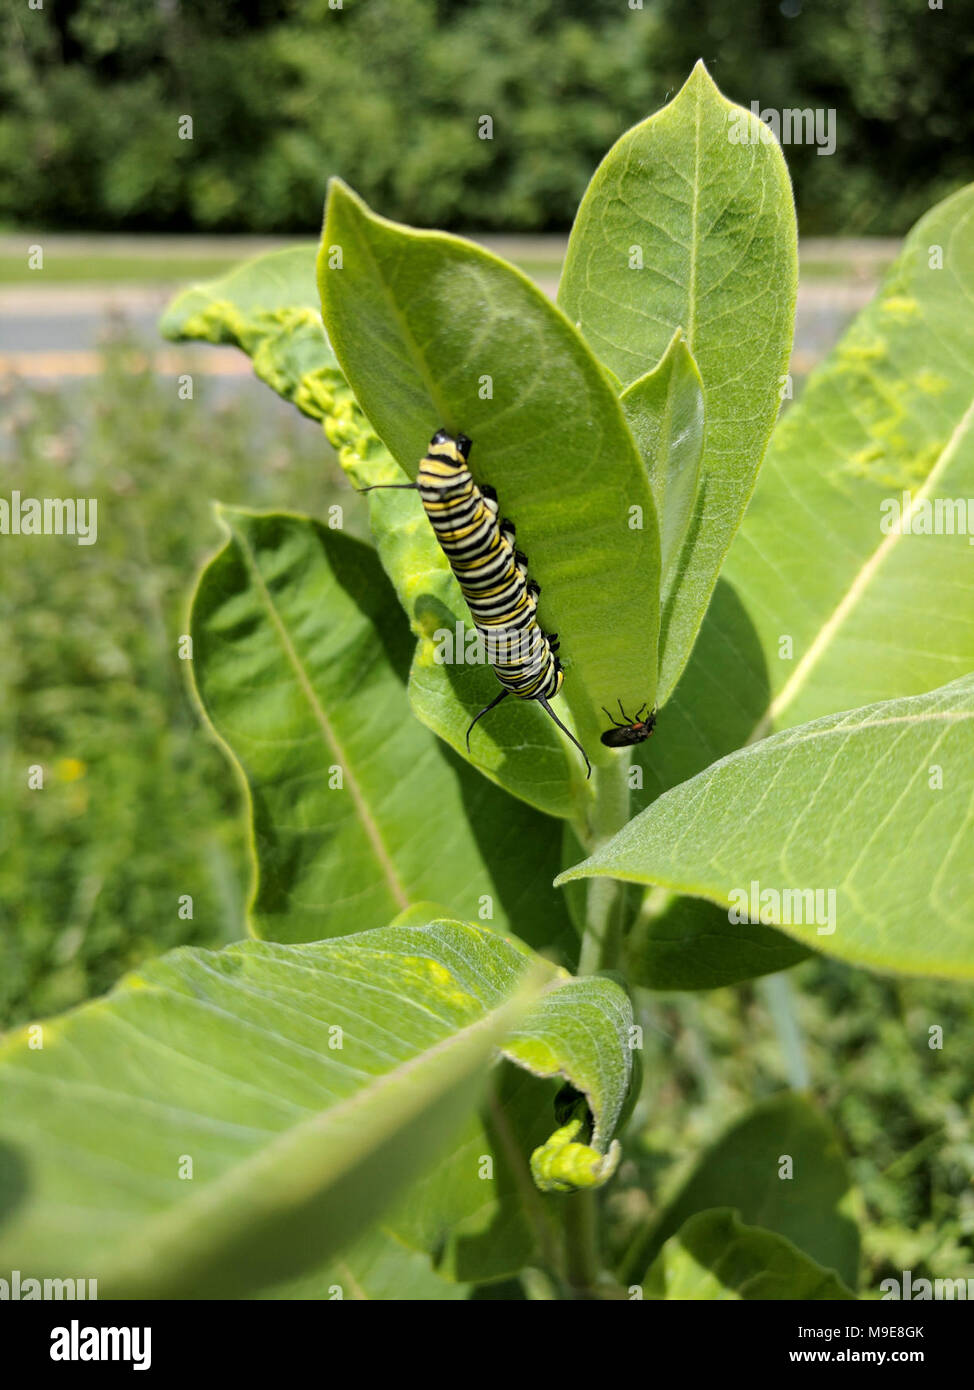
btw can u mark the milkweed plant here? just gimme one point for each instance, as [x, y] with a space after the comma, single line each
[421, 1073]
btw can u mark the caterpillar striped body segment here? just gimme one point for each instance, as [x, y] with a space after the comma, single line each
[493, 577]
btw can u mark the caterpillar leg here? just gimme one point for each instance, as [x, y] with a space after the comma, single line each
[486, 710]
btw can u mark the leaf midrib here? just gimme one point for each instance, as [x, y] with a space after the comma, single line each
[363, 811]
[858, 588]
[185, 1217]
[694, 223]
[359, 228]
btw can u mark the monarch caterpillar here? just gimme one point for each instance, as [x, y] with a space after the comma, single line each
[630, 730]
[493, 577]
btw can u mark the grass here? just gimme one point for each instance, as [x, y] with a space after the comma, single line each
[112, 270]
[814, 268]
[182, 264]
[539, 269]
[158, 270]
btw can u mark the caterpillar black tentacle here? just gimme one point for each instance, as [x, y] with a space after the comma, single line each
[567, 732]
[486, 709]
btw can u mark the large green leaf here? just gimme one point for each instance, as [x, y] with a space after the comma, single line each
[687, 943]
[684, 225]
[715, 1256]
[309, 1086]
[476, 1212]
[859, 825]
[269, 308]
[431, 330]
[301, 657]
[808, 1203]
[584, 1035]
[376, 1268]
[237, 307]
[665, 411]
[305, 1085]
[872, 615]
[484, 1227]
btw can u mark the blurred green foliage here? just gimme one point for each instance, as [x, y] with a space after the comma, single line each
[389, 93]
[903, 1108]
[138, 807]
[896, 72]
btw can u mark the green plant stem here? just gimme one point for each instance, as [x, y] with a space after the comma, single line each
[538, 1285]
[780, 1001]
[605, 906]
[600, 950]
[582, 1263]
[539, 1216]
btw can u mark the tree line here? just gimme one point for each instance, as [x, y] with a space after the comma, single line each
[455, 113]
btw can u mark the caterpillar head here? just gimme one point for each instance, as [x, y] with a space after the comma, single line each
[443, 445]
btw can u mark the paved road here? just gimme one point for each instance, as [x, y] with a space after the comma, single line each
[53, 332]
[56, 333]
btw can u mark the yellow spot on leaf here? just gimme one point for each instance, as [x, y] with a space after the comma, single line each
[872, 351]
[930, 383]
[900, 307]
[444, 985]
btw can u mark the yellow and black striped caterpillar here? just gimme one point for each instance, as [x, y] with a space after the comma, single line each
[493, 577]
